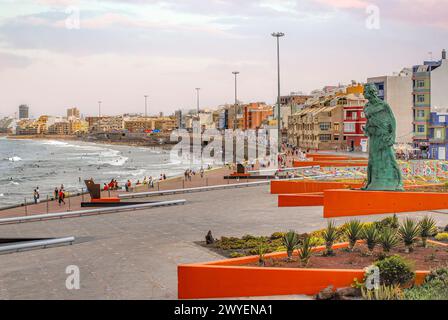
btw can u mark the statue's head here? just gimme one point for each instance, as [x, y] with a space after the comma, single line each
[370, 91]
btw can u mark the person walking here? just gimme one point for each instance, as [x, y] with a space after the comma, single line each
[56, 194]
[35, 196]
[61, 197]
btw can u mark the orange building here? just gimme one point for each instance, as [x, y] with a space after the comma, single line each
[254, 114]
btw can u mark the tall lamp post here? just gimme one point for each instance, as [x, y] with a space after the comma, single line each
[146, 106]
[278, 35]
[235, 111]
[197, 99]
[235, 120]
[99, 109]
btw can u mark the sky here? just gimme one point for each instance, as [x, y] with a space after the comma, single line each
[73, 53]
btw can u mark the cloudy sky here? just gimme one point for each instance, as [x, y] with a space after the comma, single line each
[57, 54]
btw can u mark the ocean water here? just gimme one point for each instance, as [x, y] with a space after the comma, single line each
[27, 164]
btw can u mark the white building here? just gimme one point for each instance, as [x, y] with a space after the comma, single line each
[396, 90]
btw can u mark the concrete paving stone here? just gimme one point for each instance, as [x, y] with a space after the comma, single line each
[134, 255]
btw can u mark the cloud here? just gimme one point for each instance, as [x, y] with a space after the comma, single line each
[10, 61]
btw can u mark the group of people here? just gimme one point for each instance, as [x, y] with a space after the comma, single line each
[59, 195]
[112, 185]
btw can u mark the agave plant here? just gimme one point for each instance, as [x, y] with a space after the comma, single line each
[388, 239]
[290, 241]
[409, 232]
[306, 250]
[262, 249]
[330, 235]
[370, 235]
[394, 222]
[427, 229]
[353, 231]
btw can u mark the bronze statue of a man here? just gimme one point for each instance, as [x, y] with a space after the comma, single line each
[383, 172]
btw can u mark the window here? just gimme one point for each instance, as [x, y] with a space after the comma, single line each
[354, 115]
[325, 126]
[363, 115]
[420, 113]
[442, 118]
[349, 127]
[336, 127]
[325, 137]
[438, 134]
[420, 129]
[420, 98]
[420, 83]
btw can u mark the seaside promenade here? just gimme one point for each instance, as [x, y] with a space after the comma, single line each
[211, 177]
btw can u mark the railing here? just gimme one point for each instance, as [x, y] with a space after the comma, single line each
[80, 213]
[190, 190]
[16, 247]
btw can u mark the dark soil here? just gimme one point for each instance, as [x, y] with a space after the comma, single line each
[442, 188]
[421, 258]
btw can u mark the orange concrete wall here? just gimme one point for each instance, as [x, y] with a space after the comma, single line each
[291, 187]
[324, 163]
[301, 200]
[228, 278]
[344, 203]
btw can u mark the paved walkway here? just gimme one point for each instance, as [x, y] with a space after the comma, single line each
[212, 177]
[134, 255]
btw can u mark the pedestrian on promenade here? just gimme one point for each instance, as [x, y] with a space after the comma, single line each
[56, 193]
[61, 196]
[106, 187]
[202, 173]
[164, 176]
[35, 196]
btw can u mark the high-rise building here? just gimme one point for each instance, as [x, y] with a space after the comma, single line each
[396, 90]
[24, 111]
[430, 81]
[73, 113]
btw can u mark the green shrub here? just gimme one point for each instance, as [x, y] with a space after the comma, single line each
[430, 290]
[277, 235]
[384, 292]
[428, 229]
[409, 232]
[395, 270]
[443, 236]
[353, 231]
[236, 255]
[438, 274]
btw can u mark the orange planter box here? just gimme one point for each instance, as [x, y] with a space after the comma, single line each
[229, 278]
[345, 203]
[325, 163]
[301, 200]
[294, 187]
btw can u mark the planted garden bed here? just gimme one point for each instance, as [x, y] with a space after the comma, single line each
[432, 257]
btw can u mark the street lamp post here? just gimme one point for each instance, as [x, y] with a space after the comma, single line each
[146, 106]
[236, 102]
[278, 35]
[235, 120]
[99, 109]
[197, 99]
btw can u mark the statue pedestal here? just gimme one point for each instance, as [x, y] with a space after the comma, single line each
[345, 203]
